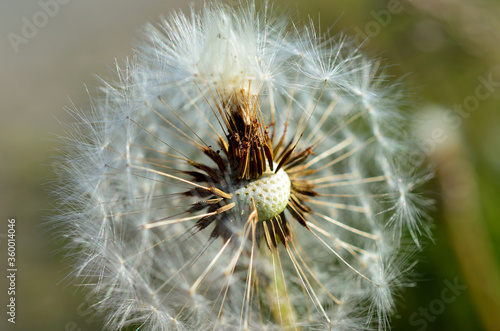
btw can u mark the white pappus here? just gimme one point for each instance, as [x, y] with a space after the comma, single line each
[241, 173]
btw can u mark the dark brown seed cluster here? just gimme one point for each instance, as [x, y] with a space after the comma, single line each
[246, 153]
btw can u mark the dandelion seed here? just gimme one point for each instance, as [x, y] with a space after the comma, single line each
[241, 175]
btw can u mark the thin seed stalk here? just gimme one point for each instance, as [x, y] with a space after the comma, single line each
[281, 310]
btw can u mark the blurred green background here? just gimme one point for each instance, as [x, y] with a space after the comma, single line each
[448, 49]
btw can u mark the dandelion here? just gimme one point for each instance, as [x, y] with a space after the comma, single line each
[241, 173]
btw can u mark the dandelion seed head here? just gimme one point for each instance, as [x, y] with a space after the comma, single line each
[241, 173]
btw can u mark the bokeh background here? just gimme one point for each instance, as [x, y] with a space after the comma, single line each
[449, 51]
